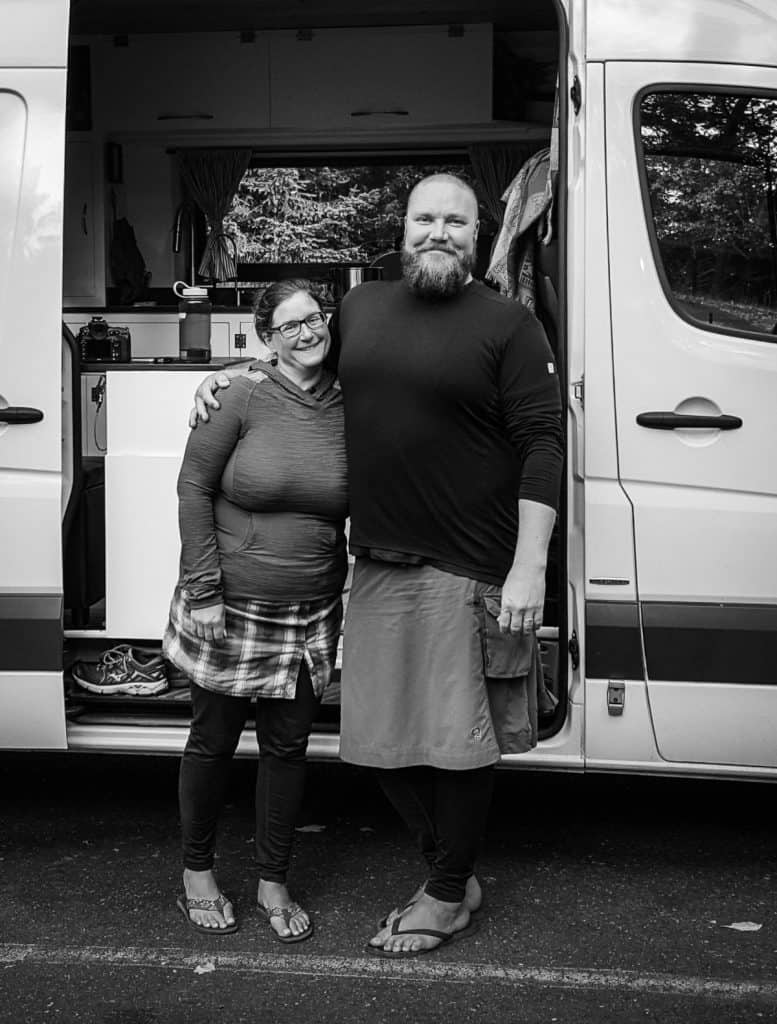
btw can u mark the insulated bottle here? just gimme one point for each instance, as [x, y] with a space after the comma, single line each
[194, 309]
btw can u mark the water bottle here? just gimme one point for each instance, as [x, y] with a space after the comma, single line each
[194, 311]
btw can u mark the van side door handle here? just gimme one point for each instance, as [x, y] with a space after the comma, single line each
[681, 421]
[20, 414]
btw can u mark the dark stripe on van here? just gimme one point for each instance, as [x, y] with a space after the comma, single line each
[711, 643]
[30, 632]
[613, 648]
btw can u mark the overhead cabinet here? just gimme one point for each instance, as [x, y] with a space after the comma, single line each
[172, 82]
[368, 78]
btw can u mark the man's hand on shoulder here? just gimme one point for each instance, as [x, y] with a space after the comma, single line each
[205, 395]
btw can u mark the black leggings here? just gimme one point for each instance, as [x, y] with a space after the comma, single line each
[282, 731]
[446, 813]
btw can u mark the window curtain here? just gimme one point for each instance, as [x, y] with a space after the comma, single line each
[211, 177]
[495, 166]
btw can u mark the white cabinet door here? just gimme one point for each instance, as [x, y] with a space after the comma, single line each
[692, 308]
[142, 543]
[172, 82]
[83, 267]
[366, 78]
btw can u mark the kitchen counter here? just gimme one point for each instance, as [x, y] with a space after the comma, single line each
[106, 311]
[162, 363]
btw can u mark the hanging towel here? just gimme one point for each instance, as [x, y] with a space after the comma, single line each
[527, 218]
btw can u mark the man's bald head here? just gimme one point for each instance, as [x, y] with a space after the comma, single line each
[445, 180]
[441, 227]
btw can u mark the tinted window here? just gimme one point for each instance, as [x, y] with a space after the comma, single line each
[711, 167]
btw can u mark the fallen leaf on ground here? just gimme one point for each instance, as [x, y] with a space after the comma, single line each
[744, 926]
[311, 828]
[205, 968]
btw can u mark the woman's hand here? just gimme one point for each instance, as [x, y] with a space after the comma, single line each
[205, 397]
[210, 622]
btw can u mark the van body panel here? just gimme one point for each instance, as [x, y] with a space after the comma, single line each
[32, 711]
[32, 127]
[609, 533]
[705, 502]
[30, 632]
[133, 738]
[685, 716]
[34, 34]
[624, 743]
[682, 30]
[625, 739]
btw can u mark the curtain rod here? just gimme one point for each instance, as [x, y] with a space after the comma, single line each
[322, 154]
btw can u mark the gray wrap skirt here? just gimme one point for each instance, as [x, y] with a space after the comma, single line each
[427, 677]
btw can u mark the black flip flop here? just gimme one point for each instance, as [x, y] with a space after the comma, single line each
[185, 904]
[446, 938]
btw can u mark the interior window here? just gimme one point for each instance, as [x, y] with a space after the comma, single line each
[710, 163]
[331, 211]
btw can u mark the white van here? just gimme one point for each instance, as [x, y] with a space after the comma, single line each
[660, 296]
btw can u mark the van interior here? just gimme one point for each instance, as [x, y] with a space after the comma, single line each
[325, 104]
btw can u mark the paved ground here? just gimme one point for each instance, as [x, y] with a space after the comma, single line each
[607, 900]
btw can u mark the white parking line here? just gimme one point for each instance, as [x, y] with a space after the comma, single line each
[376, 968]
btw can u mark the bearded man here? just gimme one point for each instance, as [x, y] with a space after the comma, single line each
[454, 444]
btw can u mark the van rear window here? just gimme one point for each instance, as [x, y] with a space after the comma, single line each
[710, 174]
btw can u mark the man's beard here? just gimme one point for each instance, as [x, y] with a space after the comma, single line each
[436, 278]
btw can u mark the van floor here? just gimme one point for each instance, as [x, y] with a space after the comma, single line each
[173, 703]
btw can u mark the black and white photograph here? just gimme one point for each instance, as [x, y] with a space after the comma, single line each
[388, 511]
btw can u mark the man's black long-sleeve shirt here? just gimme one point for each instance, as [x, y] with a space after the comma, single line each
[452, 413]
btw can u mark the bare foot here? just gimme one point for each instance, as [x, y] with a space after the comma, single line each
[473, 898]
[202, 885]
[275, 894]
[425, 913]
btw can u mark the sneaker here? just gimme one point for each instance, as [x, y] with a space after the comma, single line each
[123, 669]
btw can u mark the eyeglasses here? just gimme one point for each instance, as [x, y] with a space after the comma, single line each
[292, 328]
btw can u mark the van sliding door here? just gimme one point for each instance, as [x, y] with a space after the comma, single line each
[692, 213]
[32, 128]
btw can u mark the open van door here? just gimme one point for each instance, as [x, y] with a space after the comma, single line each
[33, 58]
[692, 212]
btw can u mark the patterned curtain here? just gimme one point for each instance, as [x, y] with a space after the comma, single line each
[212, 177]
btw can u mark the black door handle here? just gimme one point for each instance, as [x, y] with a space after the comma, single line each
[20, 414]
[677, 420]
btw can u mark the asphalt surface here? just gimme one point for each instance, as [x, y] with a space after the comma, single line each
[606, 900]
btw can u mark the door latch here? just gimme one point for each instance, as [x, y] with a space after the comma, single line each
[576, 95]
[574, 650]
[616, 696]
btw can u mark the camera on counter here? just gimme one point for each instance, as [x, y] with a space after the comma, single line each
[101, 343]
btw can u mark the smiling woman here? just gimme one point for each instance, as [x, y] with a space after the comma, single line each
[255, 617]
[289, 321]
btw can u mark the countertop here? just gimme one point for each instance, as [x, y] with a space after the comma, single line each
[165, 364]
[107, 311]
